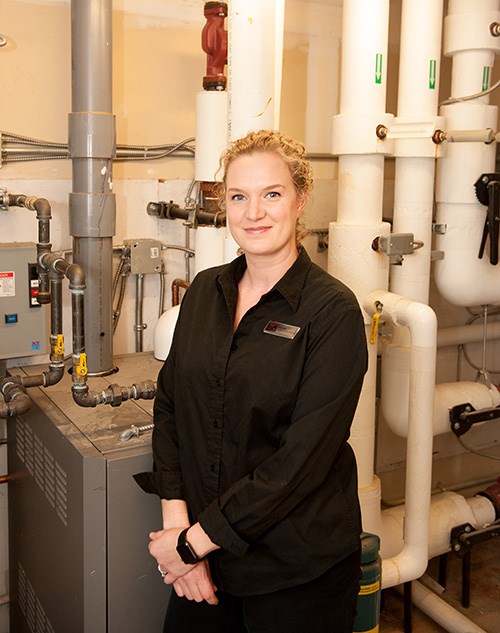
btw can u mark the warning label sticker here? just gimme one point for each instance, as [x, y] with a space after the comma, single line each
[7, 284]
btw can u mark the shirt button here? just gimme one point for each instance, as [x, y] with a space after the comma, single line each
[212, 467]
[216, 424]
[234, 347]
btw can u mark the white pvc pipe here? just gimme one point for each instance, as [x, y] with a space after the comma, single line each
[254, 65]
[447, 510]
[467, 334]
[442, 612]
[360, 187]
[209, 247]
[418, 88]
[395, 382]
[255, 51]
[365, 30]
[460, 276]
[211, 134]
[411, 561]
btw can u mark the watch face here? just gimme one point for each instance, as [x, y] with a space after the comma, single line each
[185, 551]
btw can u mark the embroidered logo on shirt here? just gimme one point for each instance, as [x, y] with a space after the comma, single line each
[281, 329]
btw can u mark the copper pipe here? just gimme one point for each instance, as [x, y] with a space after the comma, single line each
[176, 285]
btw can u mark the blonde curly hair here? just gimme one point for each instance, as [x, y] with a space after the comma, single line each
[293, 154]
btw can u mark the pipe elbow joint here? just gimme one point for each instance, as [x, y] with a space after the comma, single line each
[42, 208]
[54, 375]
[82, 396]
[76, 277]
[43, 297]
[16, 398]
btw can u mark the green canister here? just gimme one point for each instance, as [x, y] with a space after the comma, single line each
[368, 606]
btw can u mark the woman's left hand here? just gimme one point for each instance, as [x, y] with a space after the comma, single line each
[162, 547]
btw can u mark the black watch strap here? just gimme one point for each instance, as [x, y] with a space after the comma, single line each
[184, 549]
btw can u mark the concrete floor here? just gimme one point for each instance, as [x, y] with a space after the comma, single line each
[484, 609]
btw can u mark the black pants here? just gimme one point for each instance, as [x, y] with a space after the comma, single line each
[319, 606]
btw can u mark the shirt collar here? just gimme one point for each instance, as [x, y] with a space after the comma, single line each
[289, 286]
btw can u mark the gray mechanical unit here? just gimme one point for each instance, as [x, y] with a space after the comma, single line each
[78, 523]
[23, 321]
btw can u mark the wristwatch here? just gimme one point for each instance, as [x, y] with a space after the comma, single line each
[185, 551]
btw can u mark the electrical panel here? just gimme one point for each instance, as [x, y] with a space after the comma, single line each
[23, 321]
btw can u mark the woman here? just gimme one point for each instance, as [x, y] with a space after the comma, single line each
[261, 522]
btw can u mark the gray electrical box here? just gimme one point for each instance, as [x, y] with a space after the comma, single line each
[23, 321]
[145, 256]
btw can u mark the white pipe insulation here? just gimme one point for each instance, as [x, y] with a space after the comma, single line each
[418, 88]
[211, 140]
[255, 60]
[446, 511]
[255, 52]
[441, 612]
[394, 403]
[365, 30]
[461, 277]
[420, 319]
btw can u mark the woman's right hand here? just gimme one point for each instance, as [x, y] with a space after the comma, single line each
[197, 584]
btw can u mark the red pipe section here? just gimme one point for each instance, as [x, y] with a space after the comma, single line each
[214, 43]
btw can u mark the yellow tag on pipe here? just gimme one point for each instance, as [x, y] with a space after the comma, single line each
[375, 320]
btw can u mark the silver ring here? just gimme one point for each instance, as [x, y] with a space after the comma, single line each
[163, 573]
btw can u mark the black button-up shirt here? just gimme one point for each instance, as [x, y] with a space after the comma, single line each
[251, 426]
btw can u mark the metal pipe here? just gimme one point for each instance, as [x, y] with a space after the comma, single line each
[139, 299]
[43, 215]
[16, 399]
[176, 284]
[92, 148]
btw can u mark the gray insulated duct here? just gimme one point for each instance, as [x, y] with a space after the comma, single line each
[92, 146]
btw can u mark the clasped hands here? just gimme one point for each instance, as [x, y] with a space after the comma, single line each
[191, 581]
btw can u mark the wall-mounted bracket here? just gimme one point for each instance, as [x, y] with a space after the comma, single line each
[463, 416]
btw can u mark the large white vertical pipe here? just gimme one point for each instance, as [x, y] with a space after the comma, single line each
[211, 133]
[255, 59]
[365, 28]
[211, 140]
[255, 46]
[418, 88]
[461, 277]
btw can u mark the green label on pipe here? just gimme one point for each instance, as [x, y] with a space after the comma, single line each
[432, 74]
[378, 68]
[486, 78]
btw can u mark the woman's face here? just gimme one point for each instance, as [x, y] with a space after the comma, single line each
[262, 204]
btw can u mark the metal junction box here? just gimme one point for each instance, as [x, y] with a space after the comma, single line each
[23, 321]
[78, 522]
